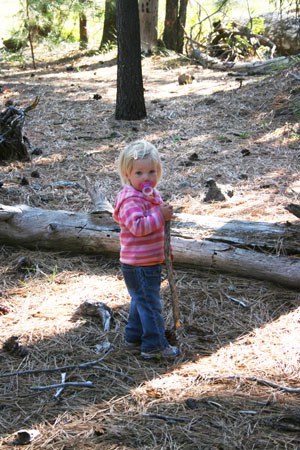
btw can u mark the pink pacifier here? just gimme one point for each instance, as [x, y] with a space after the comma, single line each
[147, 188]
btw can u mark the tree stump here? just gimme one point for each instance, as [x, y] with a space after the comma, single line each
[13, 144]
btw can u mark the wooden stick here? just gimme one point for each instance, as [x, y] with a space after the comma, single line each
[61, 389]
[171, 279]
[166, 418]
[236, 300]
[64, 385]
[273, 385]
[257, 380]
[57, 369]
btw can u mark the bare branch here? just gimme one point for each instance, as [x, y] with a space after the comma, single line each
[56, 369]
[64, 385]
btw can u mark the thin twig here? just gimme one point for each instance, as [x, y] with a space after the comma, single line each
[64, 385]
[56, 369]
[257, 380]
[295, 76]
[61, 389]
[273, 385]
[236, 300]
[166, 418]
[115, 372]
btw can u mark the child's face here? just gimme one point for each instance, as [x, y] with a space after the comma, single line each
[143, 171]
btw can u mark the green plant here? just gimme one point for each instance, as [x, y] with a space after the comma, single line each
[257, 25]
[176, 138]
[54, 21]
[244, 135]
[221, 137]
[263, 123]
[54, 274]
[294, 136]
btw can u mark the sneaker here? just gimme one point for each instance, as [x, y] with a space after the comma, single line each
[169, 352]
[132, 345]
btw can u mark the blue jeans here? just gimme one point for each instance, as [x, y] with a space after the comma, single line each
[145, 320]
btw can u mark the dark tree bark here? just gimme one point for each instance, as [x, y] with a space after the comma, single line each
[175, 20]
[130, 92]
[170, 28]
[13, 144]
[109, 28]
[181, 25]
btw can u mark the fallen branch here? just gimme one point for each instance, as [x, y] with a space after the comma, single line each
[255, 379]
[167, 418]
[61, 389]
[238, 301]
[56, 369]
[64, 385]
[256, 67]
[271, 384]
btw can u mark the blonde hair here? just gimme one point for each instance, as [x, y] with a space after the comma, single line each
[137, 150]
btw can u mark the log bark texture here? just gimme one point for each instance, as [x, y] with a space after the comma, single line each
[243, 248]
[250, 68]
[14, 145]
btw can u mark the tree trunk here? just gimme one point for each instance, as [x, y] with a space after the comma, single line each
[130, 103]
[109, 28]
[83, 37]
[233, 246]
[175, 20]
[170, 28]
[148, 13]
[181, 25]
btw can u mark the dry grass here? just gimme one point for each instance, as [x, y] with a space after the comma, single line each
[211, 397]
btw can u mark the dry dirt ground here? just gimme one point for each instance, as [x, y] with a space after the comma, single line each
[217, 394]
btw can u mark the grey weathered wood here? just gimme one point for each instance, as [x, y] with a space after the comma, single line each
[14, 145]
[210, 243]
[259, 236]
[249, 67]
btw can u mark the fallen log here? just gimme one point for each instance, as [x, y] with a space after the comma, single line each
[251, 68]
[272, 238]
[241, 248]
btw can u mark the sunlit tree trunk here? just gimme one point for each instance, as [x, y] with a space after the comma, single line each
[83, 37]
[109, 28]
[130, 92]
[175, 20]
[148, 10]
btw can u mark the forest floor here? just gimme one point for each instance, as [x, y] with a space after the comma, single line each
[215, 395]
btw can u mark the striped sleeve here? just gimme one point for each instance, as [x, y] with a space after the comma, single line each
[138, 220]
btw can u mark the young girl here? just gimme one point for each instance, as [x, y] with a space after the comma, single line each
[141, 214]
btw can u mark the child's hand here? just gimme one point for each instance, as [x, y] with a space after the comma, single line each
[167, 211]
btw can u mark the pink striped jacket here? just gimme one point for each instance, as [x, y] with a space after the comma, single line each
[142, 227]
